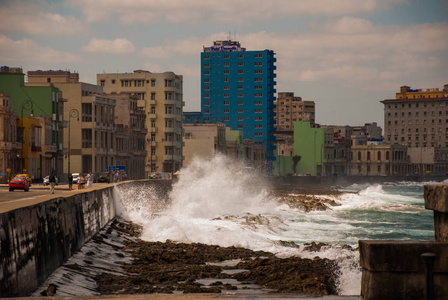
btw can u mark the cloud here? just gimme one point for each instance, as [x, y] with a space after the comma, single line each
[117, 46]
[344, 51]
[27, 50]
[231, 11]
[35, 18]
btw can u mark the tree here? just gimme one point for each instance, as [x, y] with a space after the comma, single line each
[295, 159]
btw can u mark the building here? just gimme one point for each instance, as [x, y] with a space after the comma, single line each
[130, 135]
[377, 159]
[203, 141]
[160, 95]
[91, 131]
[337, 144]
[9, 144]
[39, 110]
[237, 89]
[290, 109]
[417, 118]
[309, 145]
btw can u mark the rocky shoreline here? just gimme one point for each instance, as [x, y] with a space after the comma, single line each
[141, 267]
[171, 267]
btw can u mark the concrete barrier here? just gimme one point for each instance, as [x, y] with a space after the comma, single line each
[35, 240]
[396, 270]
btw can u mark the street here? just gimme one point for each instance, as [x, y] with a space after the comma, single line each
[37, 193]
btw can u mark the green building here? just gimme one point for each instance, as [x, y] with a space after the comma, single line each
[308, 152]
[39, 112]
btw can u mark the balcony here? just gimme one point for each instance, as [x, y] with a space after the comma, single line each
[170, 129]
[153, 129]
[49, 148]
[153, 144]
[153, 116]
[153, 102]
[170, 102]
[170, 158]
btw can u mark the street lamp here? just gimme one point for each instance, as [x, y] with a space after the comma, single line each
[74, 113]
[28, 105]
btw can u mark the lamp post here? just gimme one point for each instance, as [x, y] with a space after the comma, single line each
[74, 113]
[28, 105]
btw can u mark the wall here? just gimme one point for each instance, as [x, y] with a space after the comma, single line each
[309, 144]
[396, 270]
[36, 240]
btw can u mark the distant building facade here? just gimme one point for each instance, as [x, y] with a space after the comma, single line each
[290, 109]
[9, 145]
[40, 123]
[417, 118]
[203, 141]
[160, 95]
[90, 133]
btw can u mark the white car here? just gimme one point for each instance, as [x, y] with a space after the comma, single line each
[47, 180]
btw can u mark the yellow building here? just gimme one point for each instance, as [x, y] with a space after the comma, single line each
[160, 96]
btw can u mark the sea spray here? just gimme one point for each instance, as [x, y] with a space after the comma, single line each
[216, 202]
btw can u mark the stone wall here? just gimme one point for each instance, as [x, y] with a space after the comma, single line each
[36, 240]
[396, 270]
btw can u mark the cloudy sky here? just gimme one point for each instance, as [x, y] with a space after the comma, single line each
[346, 55]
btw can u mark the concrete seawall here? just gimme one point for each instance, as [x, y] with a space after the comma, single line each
[35, 240]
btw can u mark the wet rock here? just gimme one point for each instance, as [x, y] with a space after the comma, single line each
[50, 291]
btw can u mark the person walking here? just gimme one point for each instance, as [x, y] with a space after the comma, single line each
[52, 181]
[89, 179]
[70, 181]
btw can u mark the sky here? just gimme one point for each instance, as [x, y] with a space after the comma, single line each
[345, 55]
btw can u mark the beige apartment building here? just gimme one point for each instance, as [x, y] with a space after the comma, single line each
[204, 141]
[290, 109]
[160, 96]
[417, 118]
[90, 133]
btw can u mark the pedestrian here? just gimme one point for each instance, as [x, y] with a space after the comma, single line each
[89, 179]
[52, 181]
[117, 177]
[70, 181]
[79, 181]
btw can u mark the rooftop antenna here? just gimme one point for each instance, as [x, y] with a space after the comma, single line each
[230, 36]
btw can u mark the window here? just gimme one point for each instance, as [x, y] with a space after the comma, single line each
[258, 63]
[153, 96]
[103, 82]
[207, 103]
[226, 56]
[226, 119]
[240, 56]
[240, 118]
[226, 64]
[206, 56]
[206, 72]
[240, 95]
[240, 102]
[258, 79]
[153, 82]
[206, 65]
[226, 111]
[240, 71]
[258, 118]
[226, 87]
[240, 87]
[240, 64]
[379, 155]
[226, 103]
[226, 72]
[240, 126]
[226, 95]
[258, 71]
[240, 111]
[226, 80]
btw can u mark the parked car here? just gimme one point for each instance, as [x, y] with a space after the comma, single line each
[103, 177]
[75, 177]
[47, 180]
[26, 177]
[19, 183]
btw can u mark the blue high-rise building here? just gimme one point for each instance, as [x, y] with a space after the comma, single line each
[237, 89]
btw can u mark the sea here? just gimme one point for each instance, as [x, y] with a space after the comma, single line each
[214, 202]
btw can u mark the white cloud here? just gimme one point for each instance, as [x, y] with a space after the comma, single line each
[27, 50]
[231, 11]
[117, 46]
[35, 18]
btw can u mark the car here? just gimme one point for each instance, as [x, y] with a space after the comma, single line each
[26, 176]
[103, 177]
[19, 183]
[75, 177]
[47, 180]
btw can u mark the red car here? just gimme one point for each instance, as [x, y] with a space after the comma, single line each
[19, 183]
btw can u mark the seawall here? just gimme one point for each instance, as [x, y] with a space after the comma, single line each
[397, 270]
[35, 240]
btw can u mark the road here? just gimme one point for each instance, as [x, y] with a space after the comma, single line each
[37, 193]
